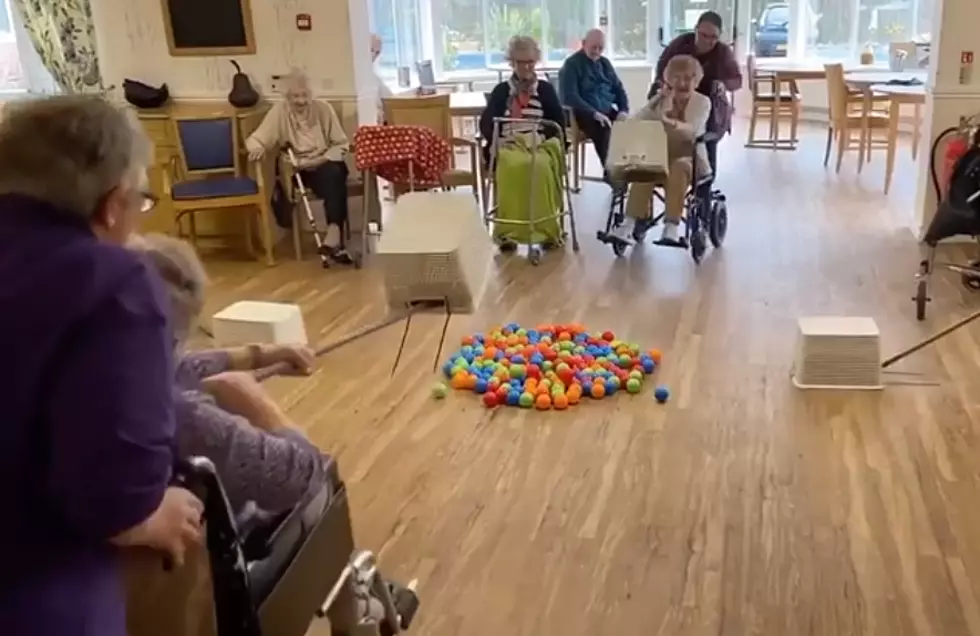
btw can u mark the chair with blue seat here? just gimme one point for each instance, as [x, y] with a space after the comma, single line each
[212, 174]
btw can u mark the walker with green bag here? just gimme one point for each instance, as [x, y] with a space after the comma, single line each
[529, 193]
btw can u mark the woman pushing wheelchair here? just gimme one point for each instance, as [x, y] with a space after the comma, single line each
[522, 130]
[684, 113]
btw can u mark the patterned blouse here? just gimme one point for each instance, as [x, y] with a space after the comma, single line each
[274, 471]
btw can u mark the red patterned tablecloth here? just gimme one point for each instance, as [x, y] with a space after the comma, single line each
[410, 155]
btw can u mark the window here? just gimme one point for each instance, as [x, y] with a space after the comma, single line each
[628, 22]
[11, 70]
[398, 24]
[841, 29]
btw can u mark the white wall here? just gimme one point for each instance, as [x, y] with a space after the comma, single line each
[132, 44]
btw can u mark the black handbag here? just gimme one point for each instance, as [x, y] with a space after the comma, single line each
[143, 95]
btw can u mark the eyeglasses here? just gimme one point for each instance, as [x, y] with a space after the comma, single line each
[711, 37]
[148, 202]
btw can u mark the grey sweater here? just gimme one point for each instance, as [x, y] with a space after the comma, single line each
[275, 471]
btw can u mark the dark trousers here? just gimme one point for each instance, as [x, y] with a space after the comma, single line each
[712, 149]
[328, 182]
[599, 134]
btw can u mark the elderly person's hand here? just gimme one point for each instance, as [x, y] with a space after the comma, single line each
[299, 357]
[237, 392]
[256, 153]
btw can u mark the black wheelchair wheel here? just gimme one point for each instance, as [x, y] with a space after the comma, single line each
[921, 298]
[618, 248]
[718, 227]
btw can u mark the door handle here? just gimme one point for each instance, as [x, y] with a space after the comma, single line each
[660, 36]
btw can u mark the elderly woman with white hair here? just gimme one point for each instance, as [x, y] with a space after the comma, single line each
[311, 128]
[222, 411]
[88, 412]
[524, 96]
[684, 113]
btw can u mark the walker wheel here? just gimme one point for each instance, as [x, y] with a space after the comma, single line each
[718, 225]
[921, 298]
[534, 255]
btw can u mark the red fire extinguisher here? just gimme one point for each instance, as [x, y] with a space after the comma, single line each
[955, 149]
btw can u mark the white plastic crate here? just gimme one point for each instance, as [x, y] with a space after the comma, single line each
[836, 352]
[248, 322]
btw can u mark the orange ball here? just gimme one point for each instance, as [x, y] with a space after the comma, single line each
[467, 340]
[543, 402]
[598, 390]
[573, 396]
[490, 352]
[561, 401]
[564, 336]
[459, 380]
[656, 355]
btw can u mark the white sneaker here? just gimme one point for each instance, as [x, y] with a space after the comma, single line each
[625, 231]
[671, 233]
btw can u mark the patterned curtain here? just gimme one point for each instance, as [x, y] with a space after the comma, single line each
[63, 34]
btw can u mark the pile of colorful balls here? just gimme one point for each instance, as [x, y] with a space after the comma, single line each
[550, 366]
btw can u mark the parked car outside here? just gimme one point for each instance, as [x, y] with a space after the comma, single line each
[772, 31]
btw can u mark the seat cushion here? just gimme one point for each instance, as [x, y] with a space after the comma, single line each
[214, 188]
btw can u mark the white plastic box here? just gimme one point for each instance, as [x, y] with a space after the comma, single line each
[248, 321]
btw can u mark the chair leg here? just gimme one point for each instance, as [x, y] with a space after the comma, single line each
[753, 120]
[843, 141]
[916, 130]
[830, 144]
[794, 121]
[192, 227]
[265, 220]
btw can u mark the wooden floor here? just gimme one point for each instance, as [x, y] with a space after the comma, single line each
[741, 507]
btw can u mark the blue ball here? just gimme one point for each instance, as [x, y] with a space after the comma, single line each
[611, 388]
[499, 355]
[537, 358]
[518, 359]
[447, 369]
[479, 338]
[661, 394]
[513, 326]
[513, 398]
[481, 386]
[587, 387]
[648, 366]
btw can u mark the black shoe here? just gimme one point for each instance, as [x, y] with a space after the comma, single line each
[640, 229]
[507, 247]
[337, 255]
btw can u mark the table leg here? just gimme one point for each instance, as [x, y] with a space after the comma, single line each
[894, 110]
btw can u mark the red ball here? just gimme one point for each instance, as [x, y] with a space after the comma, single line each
[533, 371]
[608, 336]
[490, 400]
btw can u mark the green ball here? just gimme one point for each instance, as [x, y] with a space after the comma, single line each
[547, 365]
[526, 400]
[635, 349]
[637, 374]
[633, 385]
[625, 360]
[517, 371]
[614, 381]
[440, 390]
[521, 332]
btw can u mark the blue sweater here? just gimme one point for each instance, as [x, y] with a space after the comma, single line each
[588, 86]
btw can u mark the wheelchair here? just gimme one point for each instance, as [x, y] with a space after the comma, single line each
[705, 218]
[268, 576]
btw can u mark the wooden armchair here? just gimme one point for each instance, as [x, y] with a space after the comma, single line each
[772, 101]
[434, 113]
[847, 110]
[210, 172]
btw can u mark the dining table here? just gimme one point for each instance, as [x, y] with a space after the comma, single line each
[900, 95]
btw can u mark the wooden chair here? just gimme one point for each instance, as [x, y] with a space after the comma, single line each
[771, 102]
[848, 114]
[210, 173]
[434, 113]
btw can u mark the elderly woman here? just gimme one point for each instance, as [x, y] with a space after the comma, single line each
[222, 411]
[684, 113]
[313, 131]
[523, 96]
[88, 421]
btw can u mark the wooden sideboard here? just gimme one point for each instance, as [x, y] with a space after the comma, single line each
[160, 128]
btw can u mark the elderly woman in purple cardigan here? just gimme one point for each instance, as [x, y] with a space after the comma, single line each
[223, 414]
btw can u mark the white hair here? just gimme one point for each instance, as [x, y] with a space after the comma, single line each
[71, 151]
[296, 80]
[523, 44]
[183, 276]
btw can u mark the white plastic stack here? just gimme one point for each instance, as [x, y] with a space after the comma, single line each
[435, 248]
[636, 144]
[837, 353]
[248, 322]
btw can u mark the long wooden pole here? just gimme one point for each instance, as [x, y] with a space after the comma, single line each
[931, 339]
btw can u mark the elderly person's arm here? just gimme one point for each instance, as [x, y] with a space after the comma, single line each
[337, 143]
[263, 459]
[568, 80]
[496, 107]
[268, 135]
[195, 366]
[619, 91]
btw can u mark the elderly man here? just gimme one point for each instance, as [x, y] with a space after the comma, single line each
[313, 131]
[88, 423]
[383, 90]
[591, 88]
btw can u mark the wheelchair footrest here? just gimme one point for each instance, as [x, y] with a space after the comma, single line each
[680, 243]
[406, 602]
